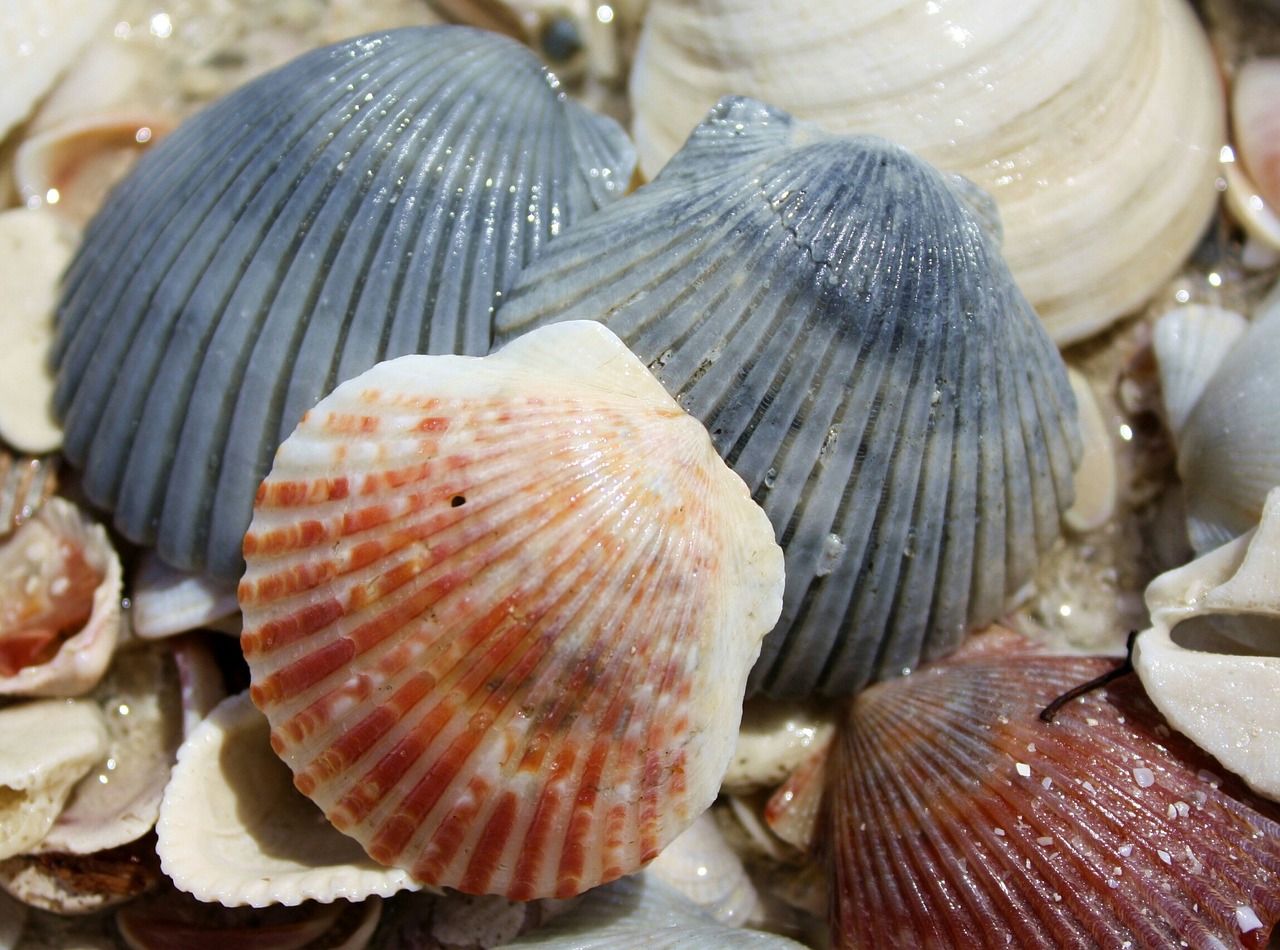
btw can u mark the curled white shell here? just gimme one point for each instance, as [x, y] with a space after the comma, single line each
[1211, 659]
[167, 601]
[1229, 445]
[1095, 125]
[640, 911]
[833, 311]
[500, 612]
[774, 738]
[48, 745]
[60, 583]
[1190, 344]
[34, 251]
[702, 866]
[233, 829]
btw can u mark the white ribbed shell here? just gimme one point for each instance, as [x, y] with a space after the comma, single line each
[500, 613]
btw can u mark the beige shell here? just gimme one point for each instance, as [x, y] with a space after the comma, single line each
[500, 612]
[1095, 125]
[1223, 691]
[60, 583]
[48, 745]
[234, 830]
[26, 483]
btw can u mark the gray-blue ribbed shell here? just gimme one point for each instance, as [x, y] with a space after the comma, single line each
[362, 202]
[833, 311]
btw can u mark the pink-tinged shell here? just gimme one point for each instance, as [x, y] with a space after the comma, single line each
[60, 584]
[955, 817]
[500, 613]
[1255, 117]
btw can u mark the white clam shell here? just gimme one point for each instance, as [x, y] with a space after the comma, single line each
[702, 866]
[1229, 445]
[167, 601]
[45, 567]
[1190, 344]
[233, 829]
[49, 744]
[34, 251]
[501, 611]
[1095, 125]
[1227, 701]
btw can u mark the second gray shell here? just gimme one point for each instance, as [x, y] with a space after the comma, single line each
[364, 201]
[834, 312]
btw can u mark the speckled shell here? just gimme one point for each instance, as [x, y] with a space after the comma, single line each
[367, 200]
[955, 817]
[500, 613]
[833, 312]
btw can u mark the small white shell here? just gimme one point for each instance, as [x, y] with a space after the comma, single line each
[167, 601]
[1190, 344]
[501, 611]
[1228, 704]
[47, 568]
[48, 745]
[1095, 477]
[1255, 120]
[774, 738]
[233, 829]
[701, 866]
[34, 251]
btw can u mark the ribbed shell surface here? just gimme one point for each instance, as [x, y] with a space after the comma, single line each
[833, 312]
[955, 817]
[364, 201]
[500, 613]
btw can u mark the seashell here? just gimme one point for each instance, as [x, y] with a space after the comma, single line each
[1220, 693]
[70, 167]
[1227, 456]
[500, 613]
[34, 250]
[60, 582]
[273, 846]
[702, 866]
[955, 816]
[203, 313]
[1096, 127]
[75, 884]
[1244, 202]
[642, 911]
[831, 310]
[49, 744]
[38, 40]
[175, 920]
[167, 601]
[774, 738]
[1095, 484]
[200, 680]
[118, 801]
[1190, 343]
[1255, 120]
[26, 483]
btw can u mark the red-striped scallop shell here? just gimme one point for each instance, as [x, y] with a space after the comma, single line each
[953, 816]
[500, 612]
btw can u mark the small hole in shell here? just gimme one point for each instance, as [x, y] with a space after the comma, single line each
[457, 501]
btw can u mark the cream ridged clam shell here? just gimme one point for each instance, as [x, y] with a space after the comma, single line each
[500, 613]
[1095, 124]
[834, 312]
[365, 200]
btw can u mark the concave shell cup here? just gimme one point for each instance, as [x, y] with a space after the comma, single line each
[833, 310]
[366, 200]
[500, 613]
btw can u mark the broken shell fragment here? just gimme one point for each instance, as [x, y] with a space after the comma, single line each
[1211, 660]
[833, 311]
[60, 583]
[955, 816]
[26, 483]
[167, 601]
[74, 884]
[204, 312]
[1095, 483]
[500, 613]
[49, 744]
[233, 829]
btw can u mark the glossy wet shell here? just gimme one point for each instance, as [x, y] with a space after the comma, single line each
[500, 613]
[366, 200]
[832, 311]
[955, 817]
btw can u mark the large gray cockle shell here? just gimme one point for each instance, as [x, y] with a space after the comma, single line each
[365, 201]
[833, 311]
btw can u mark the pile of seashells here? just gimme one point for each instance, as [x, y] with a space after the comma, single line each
[598, 474]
